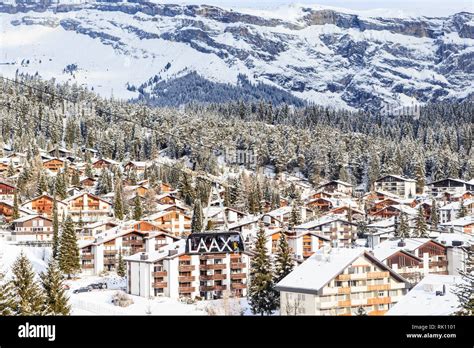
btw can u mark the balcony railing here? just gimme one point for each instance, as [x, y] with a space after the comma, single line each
[159, 274]
[88, 266]
[213, 256]
[186, 268]
[238, 286]
[110, 252]
[186, 279]
[160, 285]
[372, 275]
[87, 256]
[213, 266]
[186, 289]
[213, 288]
[238, 276]
[237, 265]
[213, 277]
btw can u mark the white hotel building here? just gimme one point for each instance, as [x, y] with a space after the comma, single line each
[171, 272]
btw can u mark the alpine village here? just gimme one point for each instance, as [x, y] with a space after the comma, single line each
[238, 209]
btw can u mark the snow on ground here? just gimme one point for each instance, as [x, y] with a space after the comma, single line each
[38, 256]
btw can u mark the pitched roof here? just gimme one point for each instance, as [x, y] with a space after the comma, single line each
[319, 269]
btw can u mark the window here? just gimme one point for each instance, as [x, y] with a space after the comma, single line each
[381, 294]
[301, 297]
[338, 283]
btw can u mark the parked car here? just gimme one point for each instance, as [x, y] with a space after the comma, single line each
[98, 286]
[83, 289]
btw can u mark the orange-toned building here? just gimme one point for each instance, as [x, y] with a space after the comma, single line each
[54, 164]
[43, 205]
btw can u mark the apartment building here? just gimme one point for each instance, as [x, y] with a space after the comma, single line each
[397, 185]
[413, 258]
[87, 208]
[338, 229]
[339, 282]
[174, 220]
[451, 210]
[175, 271]
[43, 205]
[450, 186]
[337, 186]
[32, 228]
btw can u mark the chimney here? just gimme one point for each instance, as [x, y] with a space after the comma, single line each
[143, 256]
[401, 243]
[172, 252]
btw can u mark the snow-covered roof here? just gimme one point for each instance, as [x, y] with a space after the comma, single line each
[403, 209]
[456, 205]
[319, 269]
[321, 221]
[156, 255]
[280, 211]
[389, 247]
[396, 177]
[343, 183]
[422, 299]
[29, 217]
[451, 179]
[448, 238]
[464, 221]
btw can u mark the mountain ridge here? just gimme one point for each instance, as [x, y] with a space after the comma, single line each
[339, 60]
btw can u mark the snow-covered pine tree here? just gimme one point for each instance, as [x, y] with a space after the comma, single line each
[69, 261]
[7, 295]
[465, 289]
[29, 296]
[186, 189]
[434, 216]
[197, 219]
[403, 229]
[420, 175]
[55, 294]
[295, 215]
[16, 208]
[118, 200]
[137, 208]
[263, 297]
[283, 261]
[421, 229]
[75, 180]
[55, 230]
[42, 184]
[60, 186]
[121, 267]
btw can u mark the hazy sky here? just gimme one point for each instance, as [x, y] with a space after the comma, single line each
[425, 7]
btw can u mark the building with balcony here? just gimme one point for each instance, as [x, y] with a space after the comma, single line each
[413, 258]
[32, 228]
[340, 231]
[340, 282]
[397, 185]
[86, 208]
[170, 272]
[450, 186]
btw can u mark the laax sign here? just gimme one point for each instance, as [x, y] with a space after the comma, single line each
[217, 242]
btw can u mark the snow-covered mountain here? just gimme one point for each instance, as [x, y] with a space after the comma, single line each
[337, 58]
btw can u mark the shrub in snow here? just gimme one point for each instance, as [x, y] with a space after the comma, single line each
[121, 299]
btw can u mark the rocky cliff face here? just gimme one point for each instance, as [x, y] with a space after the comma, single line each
[323, 56]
